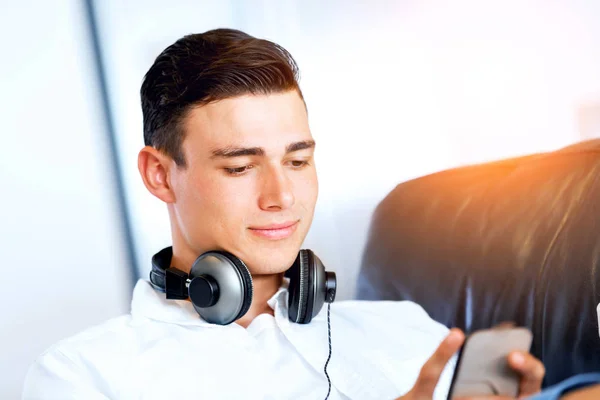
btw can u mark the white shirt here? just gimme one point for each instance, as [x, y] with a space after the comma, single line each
[163, 350]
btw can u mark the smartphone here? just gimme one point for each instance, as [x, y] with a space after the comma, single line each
[482, 365]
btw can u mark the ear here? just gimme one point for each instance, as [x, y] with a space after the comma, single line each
[154, 168]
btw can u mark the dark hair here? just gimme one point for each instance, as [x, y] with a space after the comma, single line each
[201, 68]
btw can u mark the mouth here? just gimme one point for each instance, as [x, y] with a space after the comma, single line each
[275, 231]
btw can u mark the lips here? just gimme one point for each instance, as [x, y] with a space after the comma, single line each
[275, 231]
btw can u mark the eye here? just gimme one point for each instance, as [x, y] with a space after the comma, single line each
[238, 170]
[298, 163]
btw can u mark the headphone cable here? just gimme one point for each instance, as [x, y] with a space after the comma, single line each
[329, 356]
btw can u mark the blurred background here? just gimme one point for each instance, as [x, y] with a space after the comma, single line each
[395, 90]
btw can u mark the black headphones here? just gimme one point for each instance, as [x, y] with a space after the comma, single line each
[220, 285]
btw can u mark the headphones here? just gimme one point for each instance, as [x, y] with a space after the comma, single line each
[219, 285]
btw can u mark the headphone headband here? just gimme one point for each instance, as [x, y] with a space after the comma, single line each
[175, 285]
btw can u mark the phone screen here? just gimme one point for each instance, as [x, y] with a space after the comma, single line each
[482, 362]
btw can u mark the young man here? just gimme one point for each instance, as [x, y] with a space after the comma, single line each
[230, 152]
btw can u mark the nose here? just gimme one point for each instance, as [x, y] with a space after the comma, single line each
[276, 190]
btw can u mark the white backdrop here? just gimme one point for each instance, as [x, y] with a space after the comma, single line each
[63, 255]
[394, 89]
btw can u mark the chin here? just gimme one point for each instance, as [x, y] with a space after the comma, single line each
[269, 263]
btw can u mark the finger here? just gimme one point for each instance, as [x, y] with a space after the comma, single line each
[531, 369]
[504, 325]
[433, 368]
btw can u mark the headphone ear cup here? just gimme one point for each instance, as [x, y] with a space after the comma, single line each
[297, 289]
[248, 286]
[317, 286]
[234, 284]
[305, 296]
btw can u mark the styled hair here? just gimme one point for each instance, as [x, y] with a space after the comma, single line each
[202, 68]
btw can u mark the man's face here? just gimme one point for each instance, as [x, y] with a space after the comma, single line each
[250, 185]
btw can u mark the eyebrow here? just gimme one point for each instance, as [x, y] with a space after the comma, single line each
[231, 152]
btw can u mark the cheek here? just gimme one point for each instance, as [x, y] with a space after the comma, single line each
[233, 194]
[222, 199]
[308, 190]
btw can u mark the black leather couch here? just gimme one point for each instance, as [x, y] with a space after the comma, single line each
[514, 240]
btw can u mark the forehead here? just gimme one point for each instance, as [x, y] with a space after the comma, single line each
[272, 120]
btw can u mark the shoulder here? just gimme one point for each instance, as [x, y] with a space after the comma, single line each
[403, 324]
[398, 336]
[406, 315]
[73, 363]
[91, 339]
[107, 332]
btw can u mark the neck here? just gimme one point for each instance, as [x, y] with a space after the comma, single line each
[265, 286]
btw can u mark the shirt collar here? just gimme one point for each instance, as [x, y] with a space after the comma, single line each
[150, 303]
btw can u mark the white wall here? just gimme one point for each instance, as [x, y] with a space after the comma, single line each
[394, 89]
[63, 265]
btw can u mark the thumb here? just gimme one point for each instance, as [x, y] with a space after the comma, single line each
[432, 370]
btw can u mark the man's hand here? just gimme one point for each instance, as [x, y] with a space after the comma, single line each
[433, 368]
[587, 393]
[531, 370]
